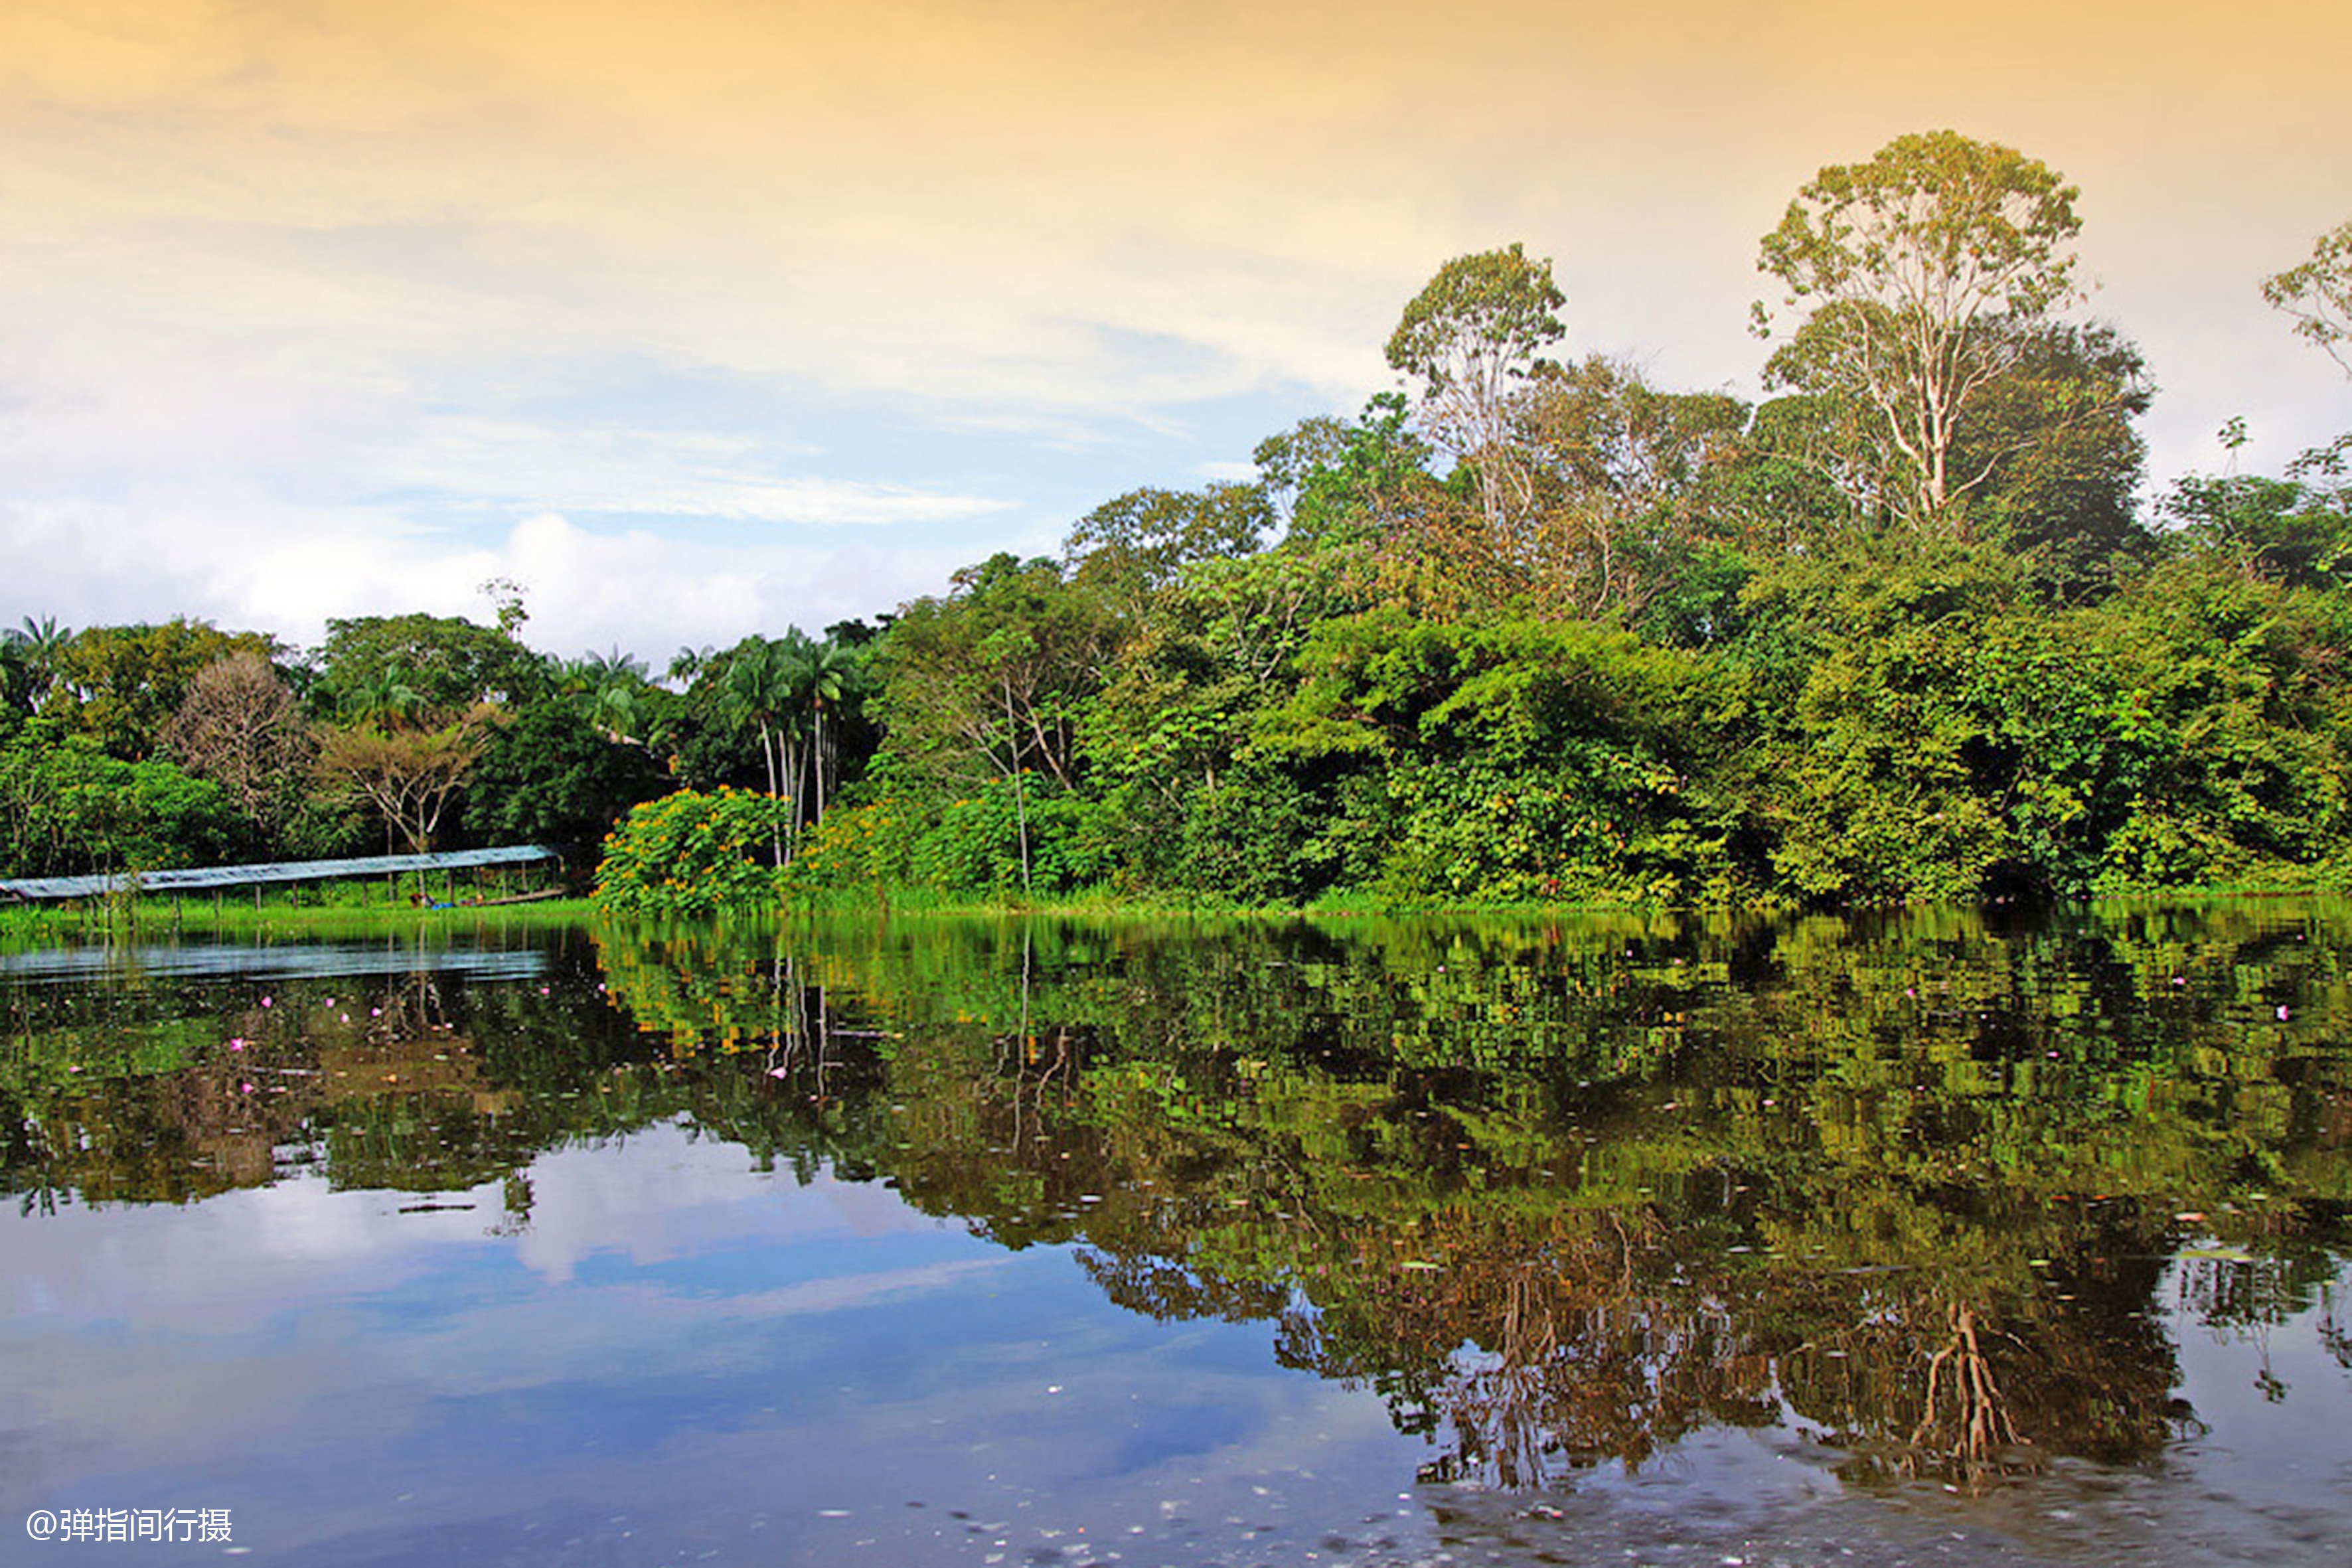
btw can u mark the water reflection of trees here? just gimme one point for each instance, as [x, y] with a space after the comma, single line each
[1535, 1347]
[1562, 1194]
[1565, 1195]
[1916, 1194]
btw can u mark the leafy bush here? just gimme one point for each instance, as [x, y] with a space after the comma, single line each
[693, 854]
[976, 844]
[864, 844]
[1249, 838]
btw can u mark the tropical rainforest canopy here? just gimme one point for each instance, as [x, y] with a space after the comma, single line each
[1528, 628]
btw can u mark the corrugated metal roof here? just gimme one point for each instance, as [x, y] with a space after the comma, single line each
[207, 879]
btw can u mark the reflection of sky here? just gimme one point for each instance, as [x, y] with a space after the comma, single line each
[680, 1355]
[684, 1359]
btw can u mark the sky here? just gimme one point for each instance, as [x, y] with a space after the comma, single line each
[703, 319]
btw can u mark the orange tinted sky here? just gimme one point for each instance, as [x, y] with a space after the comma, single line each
[709, 316]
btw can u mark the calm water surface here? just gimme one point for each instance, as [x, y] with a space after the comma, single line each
[1916, 1239]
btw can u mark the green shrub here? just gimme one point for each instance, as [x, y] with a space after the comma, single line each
[975, 846]
[693, 854]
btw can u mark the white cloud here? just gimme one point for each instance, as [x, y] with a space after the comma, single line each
[657, 1194]
[245, 563]
[642, 592]
[506, 465]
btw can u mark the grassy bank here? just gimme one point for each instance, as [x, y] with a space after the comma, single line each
[154, 919]
[359, 914]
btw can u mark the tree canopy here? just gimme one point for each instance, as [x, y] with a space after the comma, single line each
[1925, 275]
[1527, 627]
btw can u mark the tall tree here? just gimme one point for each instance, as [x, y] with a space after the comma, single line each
[1618, 471]
[1287, 460]
[2061, 459]
[37, 646]
[449, 664]
[762, 683]
[1928, 273]
[1335, 484]
[1470, 337]
[991, 682]
[410, 776]
[613, 690]
[836, 673]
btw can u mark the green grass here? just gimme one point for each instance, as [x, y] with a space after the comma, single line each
[338, 910]
[374, 909]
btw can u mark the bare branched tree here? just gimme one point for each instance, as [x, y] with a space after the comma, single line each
[241, 727]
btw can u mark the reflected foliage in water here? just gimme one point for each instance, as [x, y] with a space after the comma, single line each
[1939, 1189]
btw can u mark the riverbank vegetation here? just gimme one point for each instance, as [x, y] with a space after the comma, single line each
[1528, 628]
[345, 912]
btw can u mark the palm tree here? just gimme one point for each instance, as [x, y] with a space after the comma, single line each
[796, 661]
[607, 690]
[15, 678]
[835, 677]
[618, 709]
[386, 697]
[762, 688]
[37, 644]
[613, 665]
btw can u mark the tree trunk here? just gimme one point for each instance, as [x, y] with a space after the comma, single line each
[1020, 796]
[768, 758]
[820, 763]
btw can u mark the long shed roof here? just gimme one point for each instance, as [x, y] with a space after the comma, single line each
[205, 879]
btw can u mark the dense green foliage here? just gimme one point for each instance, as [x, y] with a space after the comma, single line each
[67, 806]
[1547, 633]
[1532, 629]
[548, 776]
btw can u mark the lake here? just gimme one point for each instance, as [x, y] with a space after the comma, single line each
[1927, 1236]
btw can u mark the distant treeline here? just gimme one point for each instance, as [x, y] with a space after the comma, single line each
[1530, 629]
